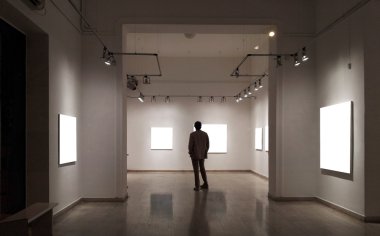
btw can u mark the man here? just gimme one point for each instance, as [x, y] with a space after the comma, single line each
[198, 148]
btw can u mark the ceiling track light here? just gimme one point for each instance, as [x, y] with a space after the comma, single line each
[223, 99]
[296, 61]
[278, 61]
[211, 99]
[167, 99]
[255, 86]
[236, 73]
[200, 99]
[260, 84]
[146, 79]
[237, 99]
[304, 55]
[153, 99]
[141, 97]
[249, 90]
[245, 93]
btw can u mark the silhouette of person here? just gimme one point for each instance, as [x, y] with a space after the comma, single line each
[198, 148]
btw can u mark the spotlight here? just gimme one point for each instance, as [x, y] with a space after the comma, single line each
[271, 34]
[245, 94]
[108, 57]
[146, 79]
[296, 61]
[256, 88]
[304, 56]
[153, 99]
[249, 91]
[223, 99]
[167, 99]
[278, 61]
[257, 47]
[237, 99]
[211, 99]
[141, 97]
[132, 82]
[200, 99]
[240, 98]
[260, 85]
[236, 73]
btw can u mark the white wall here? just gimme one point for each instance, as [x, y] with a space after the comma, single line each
[259, 119]
[337, 83]
[181, 114]
[64, 93]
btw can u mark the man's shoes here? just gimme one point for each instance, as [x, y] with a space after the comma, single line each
[196, 189]
[204, 186]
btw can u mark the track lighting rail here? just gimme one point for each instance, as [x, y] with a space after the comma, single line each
[142, 54]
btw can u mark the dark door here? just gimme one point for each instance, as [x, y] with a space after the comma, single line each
[12, 119]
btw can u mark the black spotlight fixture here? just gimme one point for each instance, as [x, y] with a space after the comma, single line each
[296, 61]
[132, 82]
[146, 79]
[304, 55]
[108, 57]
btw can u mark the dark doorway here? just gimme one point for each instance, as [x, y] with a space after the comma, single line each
[13, 119]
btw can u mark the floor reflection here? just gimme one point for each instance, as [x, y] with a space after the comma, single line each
[199, 221]
[161, 205]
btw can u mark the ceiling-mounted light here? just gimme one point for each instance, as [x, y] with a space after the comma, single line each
[108, 57]
[240, 97]
[249, 90]
[245, 93]
[237, 99]
[153, 99]
[167, 99]
[223, 99]
[255, 85]
[211, 99]
[257, 47]
[146, 79]
[278, 61]
[304, 56]
[260, 84]
[200, 99]
[132, 82]
[141, 97]
[296, 61]
[272, 34]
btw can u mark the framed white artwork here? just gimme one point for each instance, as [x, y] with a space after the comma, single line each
[217, 134]
[67, 139]
[336, 137]
[161, 138]
[259, 139]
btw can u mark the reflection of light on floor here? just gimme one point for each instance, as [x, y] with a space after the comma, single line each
[216, 205]
[161, 205]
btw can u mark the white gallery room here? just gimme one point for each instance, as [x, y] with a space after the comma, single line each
[100, 102]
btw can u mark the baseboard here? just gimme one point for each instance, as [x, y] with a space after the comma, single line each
[290, 199]
[189, 171]
[67, 208]
[258, 175]
[344, 210]
[372, 219]
[116, 199]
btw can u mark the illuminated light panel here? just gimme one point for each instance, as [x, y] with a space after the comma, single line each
[217, 134]
[67, 139]
[266, 144]
[335, 137]
[259, 139]
[161, 138]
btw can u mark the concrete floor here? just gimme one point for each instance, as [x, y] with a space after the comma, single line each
[235, 204]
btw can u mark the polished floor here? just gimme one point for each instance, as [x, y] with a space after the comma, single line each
[235, 204]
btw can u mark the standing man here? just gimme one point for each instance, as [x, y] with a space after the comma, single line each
[198, 148]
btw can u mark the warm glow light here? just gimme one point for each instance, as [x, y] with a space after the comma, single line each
[67, 139]
[217, 134]
[256, 47]
[335, 137]
[266, 144]
[272, 34]
[161, 138]
[259, 139]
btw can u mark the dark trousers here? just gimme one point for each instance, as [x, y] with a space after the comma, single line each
[196, 164]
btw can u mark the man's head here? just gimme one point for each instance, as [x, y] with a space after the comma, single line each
[198, 125]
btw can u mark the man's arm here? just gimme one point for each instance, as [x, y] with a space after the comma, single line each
[208, 142]
[191, 145]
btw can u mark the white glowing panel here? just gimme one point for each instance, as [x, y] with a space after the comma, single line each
[259, 139]
[67, 139]
[335, 137]
[217, 134]
[266, 144]
[161, 138]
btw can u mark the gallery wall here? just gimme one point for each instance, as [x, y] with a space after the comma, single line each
[64, 91]
[180, 114]
[259, 119]
[337, 83]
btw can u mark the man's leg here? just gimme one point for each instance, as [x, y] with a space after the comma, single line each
[203, 173]
[196, 172]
